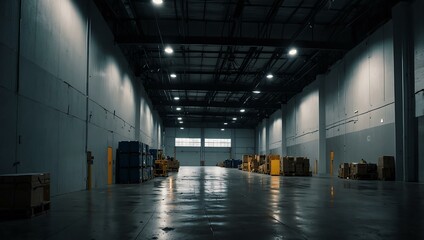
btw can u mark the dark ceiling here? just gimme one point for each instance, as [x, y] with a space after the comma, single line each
[224, 49]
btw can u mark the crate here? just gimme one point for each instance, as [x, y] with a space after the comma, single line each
[386, 174]
[288, 165]
[24, 193]
[386, 162]
[244, 166]
[247, 158]
[274, 167]
[363, 171]
[344, 170]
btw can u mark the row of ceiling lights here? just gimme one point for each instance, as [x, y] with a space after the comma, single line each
[168, 50]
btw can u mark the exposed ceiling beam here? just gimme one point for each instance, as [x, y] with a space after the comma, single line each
[219, 87]
[189, 103]
[209, 114]
[239, 41]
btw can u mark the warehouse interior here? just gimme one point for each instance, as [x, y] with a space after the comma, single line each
[334, 81]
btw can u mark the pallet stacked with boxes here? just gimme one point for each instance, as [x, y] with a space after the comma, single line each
[129, 166]
[386, 168]
[274, 165]
[363, 171]
[246, 162]
[253, 165]
[173, 165]
[344, 170]
[24, 195]
[288, 166]
[264, 166]
[298, 166]
[231, 163]
[149, 163]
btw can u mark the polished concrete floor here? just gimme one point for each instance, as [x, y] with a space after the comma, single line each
[218, 203]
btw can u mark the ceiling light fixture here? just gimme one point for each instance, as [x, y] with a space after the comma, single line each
[177, 98]
[293, 52]
[242, 110]
[169, 50]
[256, 91]
[178, 109]
[225, 123]
[181, 122]
[157, 2]
[269, 76]
[173, 75]
[234, 119]
[180, 118]
[181, 128]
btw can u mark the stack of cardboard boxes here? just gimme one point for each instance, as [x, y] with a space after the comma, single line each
[386, 168]
[344, 170]
[288, 166]
[246, 161]
[24, 195]
[298, 166]
[366, 171]
[301, 166]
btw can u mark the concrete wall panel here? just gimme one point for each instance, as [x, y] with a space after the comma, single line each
[46, 119]
[8, 125]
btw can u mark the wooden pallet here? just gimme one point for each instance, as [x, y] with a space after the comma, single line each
[15, 213]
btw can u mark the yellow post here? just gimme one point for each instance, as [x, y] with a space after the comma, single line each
[109, 166]
[331, 162]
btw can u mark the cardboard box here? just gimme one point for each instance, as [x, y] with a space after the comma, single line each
[386, 162]
[344, 170]
[23, 191]
[288, 165]
[386, 174]
[358, 169]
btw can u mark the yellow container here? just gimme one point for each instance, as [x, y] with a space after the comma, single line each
[275, 167]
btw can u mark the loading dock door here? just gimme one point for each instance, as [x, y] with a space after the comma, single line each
[213, 155]
[188, 156]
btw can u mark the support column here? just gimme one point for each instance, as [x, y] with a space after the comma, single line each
[267, 136]
[405, 120]
[322, 161]
[283, 130]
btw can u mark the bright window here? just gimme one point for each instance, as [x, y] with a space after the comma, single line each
[187, 142]
[217, 142]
